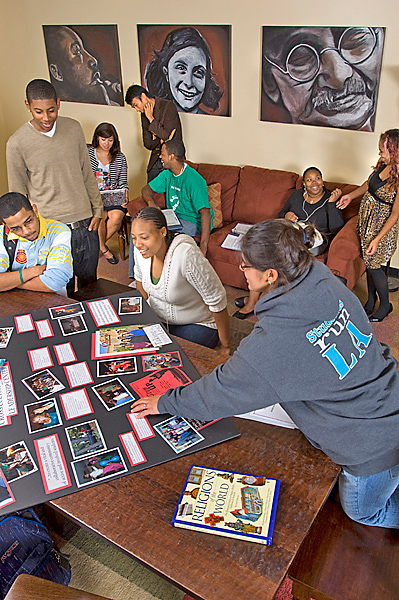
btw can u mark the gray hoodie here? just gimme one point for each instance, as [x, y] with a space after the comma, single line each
[313, 351]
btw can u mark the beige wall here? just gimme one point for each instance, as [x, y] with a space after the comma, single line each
[241, 139]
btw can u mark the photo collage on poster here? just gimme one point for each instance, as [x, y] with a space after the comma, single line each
[66, 406]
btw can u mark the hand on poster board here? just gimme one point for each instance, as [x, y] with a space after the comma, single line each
[145, 406]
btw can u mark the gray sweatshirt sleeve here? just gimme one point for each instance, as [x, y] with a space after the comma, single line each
[231, 389]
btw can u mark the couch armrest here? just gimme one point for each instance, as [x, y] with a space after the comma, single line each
[346, 243]
[134, 205]
[344, 256]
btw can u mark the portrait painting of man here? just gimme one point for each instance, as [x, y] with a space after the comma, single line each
[325, 76]
[189, 65]
[84, 63]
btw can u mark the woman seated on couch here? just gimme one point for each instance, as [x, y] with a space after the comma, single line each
[313, 203]
[178, 282]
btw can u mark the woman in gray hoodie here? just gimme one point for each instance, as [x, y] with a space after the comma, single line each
[313, 351]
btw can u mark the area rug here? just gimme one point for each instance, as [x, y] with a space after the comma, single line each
[99, 568]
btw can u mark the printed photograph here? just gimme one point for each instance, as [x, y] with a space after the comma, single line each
[72, 325]
[189, 65]
[178, 434]
[42, 415]
[84, 63]
[130, 305]
[57, 312]
[5, 334]
[324, 76]
[16, 461]
[85, 439]
[99, 467]
[154, 362]
[113, 394]
[116, 366]
[43, 384]
[6, 495]
[116, 341]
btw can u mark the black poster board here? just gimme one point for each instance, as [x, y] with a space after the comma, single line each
[64, 435]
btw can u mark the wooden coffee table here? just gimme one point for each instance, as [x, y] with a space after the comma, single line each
[134, 513]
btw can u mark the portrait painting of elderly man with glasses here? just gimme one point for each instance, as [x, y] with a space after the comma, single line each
[326, 76]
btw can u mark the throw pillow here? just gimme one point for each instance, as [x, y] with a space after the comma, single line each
[214, 197]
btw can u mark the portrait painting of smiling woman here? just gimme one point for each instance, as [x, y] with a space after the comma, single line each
[189, 65]
[325, 76]
[84, 63]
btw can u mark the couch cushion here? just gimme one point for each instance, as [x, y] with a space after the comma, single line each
[214, 191]
[262, 193]
[227, 176]
[215, 246]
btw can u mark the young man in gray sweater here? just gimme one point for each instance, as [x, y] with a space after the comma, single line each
[47, 158]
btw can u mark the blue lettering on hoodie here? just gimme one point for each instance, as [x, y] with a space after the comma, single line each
[322, 337]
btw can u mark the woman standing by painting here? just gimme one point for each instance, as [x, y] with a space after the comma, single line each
[377, 223]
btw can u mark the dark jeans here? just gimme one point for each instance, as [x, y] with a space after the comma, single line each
[199, 334]
[85, 250]
[155, 170]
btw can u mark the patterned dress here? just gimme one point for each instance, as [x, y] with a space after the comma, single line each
[375, 209]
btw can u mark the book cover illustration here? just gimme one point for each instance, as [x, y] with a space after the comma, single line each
[230, 504]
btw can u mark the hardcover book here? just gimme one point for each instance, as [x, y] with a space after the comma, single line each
[227, 503]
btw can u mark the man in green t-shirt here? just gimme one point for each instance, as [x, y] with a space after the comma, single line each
[186, 192]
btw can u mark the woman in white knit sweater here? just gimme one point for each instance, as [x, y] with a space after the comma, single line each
[178, 282]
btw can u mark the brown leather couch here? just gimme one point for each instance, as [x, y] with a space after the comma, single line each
[252, 194]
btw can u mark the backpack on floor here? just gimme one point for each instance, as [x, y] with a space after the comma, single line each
[26, 547]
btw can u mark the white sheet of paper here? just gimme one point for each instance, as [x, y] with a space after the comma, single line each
[40, 358]
[24, 323]
[157, 336]
[43, 329]
[273, 415]
[132, 448]
[103, 312]
[141, 427]
[78, 374]
[52, 464]
[76, 404]
[8, 390]
[65, 353]
[4, 417]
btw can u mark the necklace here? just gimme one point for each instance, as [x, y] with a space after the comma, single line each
[315, 210]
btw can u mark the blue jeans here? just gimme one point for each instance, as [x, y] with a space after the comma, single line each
[199, 334]
[371, 499]
[189, 228]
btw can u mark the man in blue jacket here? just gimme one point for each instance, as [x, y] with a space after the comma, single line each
[35, 253]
